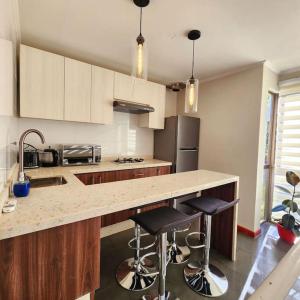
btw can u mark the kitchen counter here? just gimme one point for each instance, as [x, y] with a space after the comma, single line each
[51, 244]
[53, 206]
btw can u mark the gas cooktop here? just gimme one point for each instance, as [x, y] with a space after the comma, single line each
[128, 160]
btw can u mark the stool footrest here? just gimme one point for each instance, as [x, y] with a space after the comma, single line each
[143, 258]
[144, 247]
[183, 229]
[198, 233]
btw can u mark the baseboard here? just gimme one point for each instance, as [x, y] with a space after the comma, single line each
[248, 232]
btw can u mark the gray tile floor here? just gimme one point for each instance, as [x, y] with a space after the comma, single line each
[114, 250]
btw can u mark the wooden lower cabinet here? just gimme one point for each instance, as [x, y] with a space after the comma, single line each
[57, 263]
[110, 176]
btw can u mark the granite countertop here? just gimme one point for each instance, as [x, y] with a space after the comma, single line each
[53, 206]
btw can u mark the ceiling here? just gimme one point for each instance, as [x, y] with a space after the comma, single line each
[235, 33]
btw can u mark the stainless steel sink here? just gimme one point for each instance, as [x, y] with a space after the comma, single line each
[48, 181]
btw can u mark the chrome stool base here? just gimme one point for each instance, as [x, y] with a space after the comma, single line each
[178, 254]
[155, 296]
[206, 281]
[130, 275]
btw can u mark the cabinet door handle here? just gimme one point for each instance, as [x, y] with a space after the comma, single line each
[140, 174]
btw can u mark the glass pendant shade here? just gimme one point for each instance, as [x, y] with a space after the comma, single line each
[139, 64]
[191, 96]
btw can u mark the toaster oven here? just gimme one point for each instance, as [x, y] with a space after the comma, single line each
[79, 154]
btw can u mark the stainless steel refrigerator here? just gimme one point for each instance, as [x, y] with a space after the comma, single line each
[178, 143]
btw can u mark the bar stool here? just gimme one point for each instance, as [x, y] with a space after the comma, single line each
[203, 277]
[134, 274]
[178, 254]
[159, 222]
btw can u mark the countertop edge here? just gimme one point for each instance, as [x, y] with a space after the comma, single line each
[97, 212]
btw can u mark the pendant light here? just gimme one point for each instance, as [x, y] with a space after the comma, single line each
[139, 66]
[192, 85]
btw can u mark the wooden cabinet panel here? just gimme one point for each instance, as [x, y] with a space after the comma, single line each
[60, 88]
[154, 206]
[124, 175]
[140, 173]
[41, 84]
[86, 178]
[96, 177]
[123, 87]
[78, 83]
[143, 91]
[117, 217]
[57, 263]
[6, 78]
[164, 170]
[156, 119]
[105, 176]
[102, 95]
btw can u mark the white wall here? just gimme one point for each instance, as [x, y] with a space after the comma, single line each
[9, 35]
[230, 111]
[122, 138]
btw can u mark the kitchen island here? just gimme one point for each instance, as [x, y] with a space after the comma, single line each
[50, 246]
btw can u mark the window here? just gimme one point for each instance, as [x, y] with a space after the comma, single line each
[287, 157]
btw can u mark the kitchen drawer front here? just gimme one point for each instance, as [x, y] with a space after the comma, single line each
[164, 170]
[111, 176]
[86, 178]
[103, 177]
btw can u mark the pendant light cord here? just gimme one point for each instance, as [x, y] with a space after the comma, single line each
[141, 16]
[193, 60]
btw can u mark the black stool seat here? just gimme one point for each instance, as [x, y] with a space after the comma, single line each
[162, 219]
[210, 205]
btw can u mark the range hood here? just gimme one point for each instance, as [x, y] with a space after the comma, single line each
[132, 107]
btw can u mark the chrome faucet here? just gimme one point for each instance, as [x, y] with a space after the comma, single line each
[21, 150]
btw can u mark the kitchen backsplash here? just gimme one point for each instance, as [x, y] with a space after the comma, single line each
[9, 39]
[8, 150]
[123, 138]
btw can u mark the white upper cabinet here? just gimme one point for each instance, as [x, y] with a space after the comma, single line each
[78, 86]
[123, 87]
[102, 95]
[41, 84]
[143, 91]
[133, 89]
[138, 90]
[156, 119]
[60, 88]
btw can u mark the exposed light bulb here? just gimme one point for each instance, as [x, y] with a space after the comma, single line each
[140, 61]
[191, 94]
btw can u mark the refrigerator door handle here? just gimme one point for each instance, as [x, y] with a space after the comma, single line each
[188, 149]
